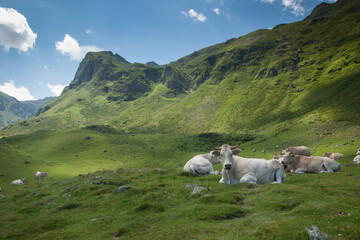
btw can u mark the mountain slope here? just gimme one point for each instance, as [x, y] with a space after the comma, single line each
[266, 81]
[12, 110]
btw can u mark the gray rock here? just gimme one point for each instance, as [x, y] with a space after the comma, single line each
[122, 189]
[191, 186]
[316, 234]
[2, 196]
[198, 190]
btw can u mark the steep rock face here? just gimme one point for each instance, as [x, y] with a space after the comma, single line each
[174, 79]
[99, 65]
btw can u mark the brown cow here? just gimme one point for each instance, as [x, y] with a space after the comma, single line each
[334, 156]
[304, 164]
[302, 150]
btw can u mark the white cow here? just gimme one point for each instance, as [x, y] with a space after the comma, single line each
[40, 176]
[357, 158]
[304, 164]
[248, 170]
[202, 164]
[19, 181]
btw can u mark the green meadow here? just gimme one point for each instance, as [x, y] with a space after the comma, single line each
[115, 142]
[79, 199]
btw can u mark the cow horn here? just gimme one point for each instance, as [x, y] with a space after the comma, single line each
[217, 148]
[234, 146]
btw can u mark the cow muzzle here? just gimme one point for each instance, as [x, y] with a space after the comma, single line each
[227, 166]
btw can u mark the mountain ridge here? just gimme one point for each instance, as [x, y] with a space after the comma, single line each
[12, 110]
[270, 77]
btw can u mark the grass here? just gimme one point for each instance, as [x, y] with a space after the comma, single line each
[157, 204]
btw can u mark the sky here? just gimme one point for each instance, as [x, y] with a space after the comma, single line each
[42, 42]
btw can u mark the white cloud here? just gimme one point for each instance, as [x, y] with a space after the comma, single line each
[295, 5]
[21, 93]
[15, 31]
[193, 14]
[56, 89]
[216, 10]
[46, 67]
[88, 31]
[69, 46]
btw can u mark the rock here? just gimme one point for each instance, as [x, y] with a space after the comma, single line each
[2, 196]
[191, 186]
[122, 189]
[300, 89]
[316, 234]
[26, 162]
[97, 177]
[67, 195]
[254, 150]
[198, 190]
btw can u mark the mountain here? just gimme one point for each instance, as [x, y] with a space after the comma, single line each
[269, 81]
[12, 110]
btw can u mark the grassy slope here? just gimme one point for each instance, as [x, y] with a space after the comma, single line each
[249, 99]
[251, 83]
[158, 206]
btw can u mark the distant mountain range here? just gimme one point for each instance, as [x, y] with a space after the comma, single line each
[12, 110]
[269, 80]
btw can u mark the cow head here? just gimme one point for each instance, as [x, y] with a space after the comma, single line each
[288, 158]
[226, 153]
[215, 157]
[326, 154]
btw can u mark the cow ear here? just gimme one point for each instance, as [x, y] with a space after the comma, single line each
[236, 151]
[215, 153]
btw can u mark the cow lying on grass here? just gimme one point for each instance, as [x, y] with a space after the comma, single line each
[302, 150]
[248, 170]
[334, 156]
[357, 158]
[19, 181]
[202, 164]
[304, 164]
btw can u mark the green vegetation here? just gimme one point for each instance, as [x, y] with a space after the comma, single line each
[296, 84]
[158, 204]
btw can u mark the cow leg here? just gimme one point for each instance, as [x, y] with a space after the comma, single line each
[224, 178]
[248, 179]
[326, 168]
[279, 176]
[300, 170]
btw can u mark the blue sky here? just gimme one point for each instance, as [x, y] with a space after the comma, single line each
[42, 42]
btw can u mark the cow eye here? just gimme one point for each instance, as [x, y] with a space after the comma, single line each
[221, 154]
[231, 153]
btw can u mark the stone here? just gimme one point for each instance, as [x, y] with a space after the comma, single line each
[198, 190]
[316, 234]
[122, 189]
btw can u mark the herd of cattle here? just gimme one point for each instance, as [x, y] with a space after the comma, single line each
[238, 169]
[38, 176]
[252, 170]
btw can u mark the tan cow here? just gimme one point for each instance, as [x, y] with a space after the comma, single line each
[304, 164]
[248, 170]
[202, 164]
[280, 158]
[334, 156]
[302, 150]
